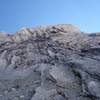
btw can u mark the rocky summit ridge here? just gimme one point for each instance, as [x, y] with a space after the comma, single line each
[57, 62]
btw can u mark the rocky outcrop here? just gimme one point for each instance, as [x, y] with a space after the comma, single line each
[57, 62]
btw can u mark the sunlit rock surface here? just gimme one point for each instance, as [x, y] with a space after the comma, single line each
[57, 62]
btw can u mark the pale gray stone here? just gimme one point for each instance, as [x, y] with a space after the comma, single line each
[57, 62]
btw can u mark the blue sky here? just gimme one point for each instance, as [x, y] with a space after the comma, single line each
[15, 14]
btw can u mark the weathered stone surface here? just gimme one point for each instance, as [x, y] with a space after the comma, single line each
[57, 62]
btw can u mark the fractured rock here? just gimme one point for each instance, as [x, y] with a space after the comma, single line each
[57, 62]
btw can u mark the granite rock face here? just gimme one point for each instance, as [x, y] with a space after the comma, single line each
[57, 62]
